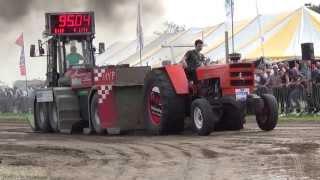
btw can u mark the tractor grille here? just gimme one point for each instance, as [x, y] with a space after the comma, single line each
[241, 65]
[241, 74]
[242, 83]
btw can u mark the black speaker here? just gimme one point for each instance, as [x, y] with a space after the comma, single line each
[307, 51]
[32, 50]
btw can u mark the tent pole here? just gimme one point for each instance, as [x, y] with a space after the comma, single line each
[260, 29]
[232, 24]
[226, 39]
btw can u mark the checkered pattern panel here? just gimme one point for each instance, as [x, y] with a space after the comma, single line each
[103, 92]
[98, 74]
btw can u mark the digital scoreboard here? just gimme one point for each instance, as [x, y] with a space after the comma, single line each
[66, 24]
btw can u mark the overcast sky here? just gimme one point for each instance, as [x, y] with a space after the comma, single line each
[192, 13]
[207, 12]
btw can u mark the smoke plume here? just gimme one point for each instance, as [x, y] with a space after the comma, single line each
[115, 20]
[108, 12]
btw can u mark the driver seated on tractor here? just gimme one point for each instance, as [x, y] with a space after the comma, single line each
[192, 60]
[74, 57]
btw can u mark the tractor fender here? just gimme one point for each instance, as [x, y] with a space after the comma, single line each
[178, 78]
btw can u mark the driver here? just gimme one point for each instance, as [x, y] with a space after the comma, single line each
[193, 59]
[74, 57]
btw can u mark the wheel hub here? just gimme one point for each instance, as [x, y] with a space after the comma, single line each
[55, 114]
[96, 116]
[41, 113]
[198, 118]
[155, 106]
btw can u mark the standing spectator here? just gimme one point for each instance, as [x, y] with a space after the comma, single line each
[260, 77]
[261, 80]
[274, 79]
[315, 73]
[274, 85]
[295, 78]
[284, 93]
[306, 85]
[315, 80]
[305, 69]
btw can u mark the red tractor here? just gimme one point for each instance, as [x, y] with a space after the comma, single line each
[219, 100]
[80, 96]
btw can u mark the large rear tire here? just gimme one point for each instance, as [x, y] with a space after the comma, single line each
[33, 121]
[94, 113]
[267, 119]
[54, 117]
[203, 117]
[43, 117]
[164, 109]
[233, 116]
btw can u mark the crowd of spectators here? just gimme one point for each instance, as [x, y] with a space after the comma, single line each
[15, 100]
[293, 83]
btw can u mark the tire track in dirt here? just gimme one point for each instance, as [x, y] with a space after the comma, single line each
[184, 152]
[151, 150]
[188, 167]
[123, 161]
[279, 154]
[144, 155]
[298, 165]
[24, 155]
[292, 157]
[123, 155]
[56, 150]
[135, 156]
[209, 154]
[162, 151]
[297, 153]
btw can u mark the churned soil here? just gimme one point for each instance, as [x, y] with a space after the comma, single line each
[291, 151]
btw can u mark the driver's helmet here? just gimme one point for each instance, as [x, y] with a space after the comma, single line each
[73, 48]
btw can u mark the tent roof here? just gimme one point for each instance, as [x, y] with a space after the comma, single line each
[274, 36]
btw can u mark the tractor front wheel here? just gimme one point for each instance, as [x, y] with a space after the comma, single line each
[203, 117]
[233, 115]
[267, 118]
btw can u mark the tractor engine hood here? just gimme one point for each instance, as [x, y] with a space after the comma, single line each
[231, 76]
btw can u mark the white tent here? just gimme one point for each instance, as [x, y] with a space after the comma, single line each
[282, 36]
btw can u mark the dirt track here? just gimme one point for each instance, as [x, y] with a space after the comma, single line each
[292, 151]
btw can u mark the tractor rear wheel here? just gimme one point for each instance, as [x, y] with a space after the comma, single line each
[164, 109]
[267, 119]
[95, 118]
[42, 117]
[203, 117]
[54, 117]
[33, 122]
[233, 115]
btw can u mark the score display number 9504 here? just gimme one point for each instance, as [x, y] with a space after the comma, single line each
[74, 20]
